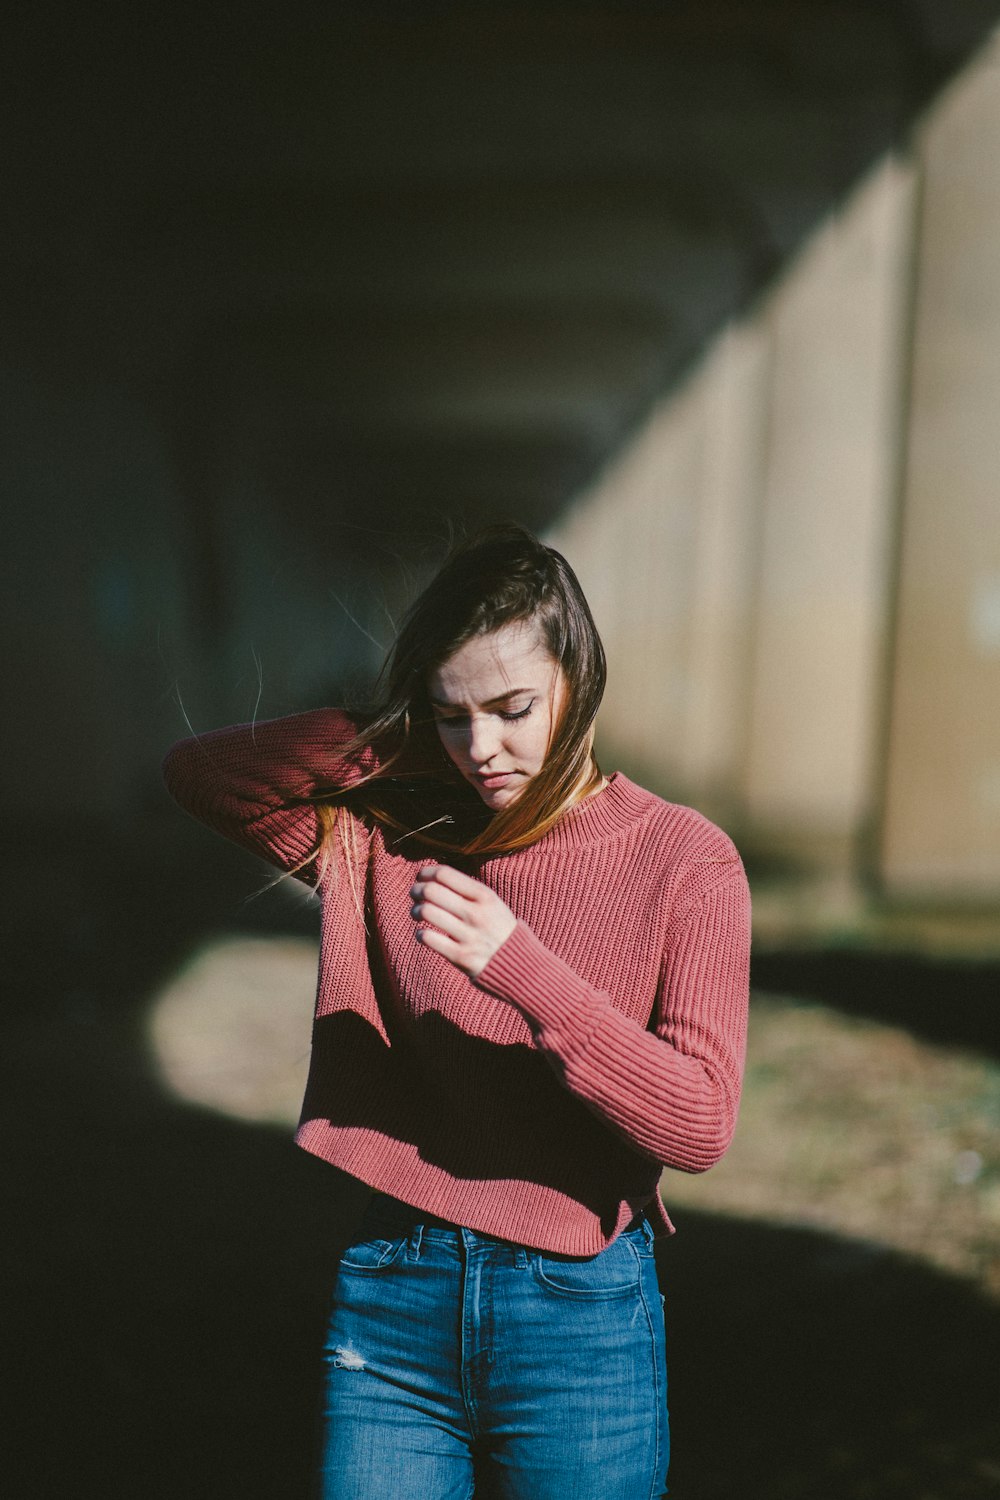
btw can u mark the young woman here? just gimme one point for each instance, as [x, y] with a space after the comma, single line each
[532, 996]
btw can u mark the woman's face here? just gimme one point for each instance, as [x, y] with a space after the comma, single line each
[496, 702]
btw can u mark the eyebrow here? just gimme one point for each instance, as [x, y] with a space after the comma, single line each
[500, 698]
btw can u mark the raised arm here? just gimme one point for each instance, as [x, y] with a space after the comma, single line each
[252, 782]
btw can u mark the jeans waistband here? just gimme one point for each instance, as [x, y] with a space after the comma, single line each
[384, 1209]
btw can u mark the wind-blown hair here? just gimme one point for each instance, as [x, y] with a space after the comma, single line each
[500, 576]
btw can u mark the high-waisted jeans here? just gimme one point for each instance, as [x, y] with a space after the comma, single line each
[460, 1364]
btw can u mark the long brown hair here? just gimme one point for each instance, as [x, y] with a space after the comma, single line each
[500, 576]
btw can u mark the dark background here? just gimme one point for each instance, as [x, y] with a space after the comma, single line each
[289, 294]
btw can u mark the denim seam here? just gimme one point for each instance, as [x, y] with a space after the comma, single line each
[661, 1395]
[614, 1294]
[388, 1259]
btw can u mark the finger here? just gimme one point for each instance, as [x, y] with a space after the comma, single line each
[453, 879]
[443, 921]
[443, 899]
[438, 942]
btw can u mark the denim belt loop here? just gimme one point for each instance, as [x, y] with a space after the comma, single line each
[520, 1257]
[413, 1243]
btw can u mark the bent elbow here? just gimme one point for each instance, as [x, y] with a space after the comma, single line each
[702, 1148]
[175, 767]
[711, 1154]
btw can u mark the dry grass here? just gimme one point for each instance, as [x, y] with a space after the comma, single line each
[857, 1127]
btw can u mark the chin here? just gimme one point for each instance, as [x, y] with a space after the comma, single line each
[495, 801]
[498, 800]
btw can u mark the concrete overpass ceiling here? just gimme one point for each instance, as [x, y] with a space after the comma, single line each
[496, 364]
[431, 259]
[412, 486]
[625, 238]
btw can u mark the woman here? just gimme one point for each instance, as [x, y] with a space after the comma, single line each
[532, 996]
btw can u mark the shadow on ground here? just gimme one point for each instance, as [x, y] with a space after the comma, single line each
[953, 1002]
[805, 1366]
[169, 1267]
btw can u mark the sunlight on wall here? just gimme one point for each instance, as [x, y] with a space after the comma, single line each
[231, 1030]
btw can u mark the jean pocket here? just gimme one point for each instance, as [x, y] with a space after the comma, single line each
[615, 1272]
[370, 1256]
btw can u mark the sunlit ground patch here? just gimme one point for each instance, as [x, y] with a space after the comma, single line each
[231, 1030]
[846, 1124]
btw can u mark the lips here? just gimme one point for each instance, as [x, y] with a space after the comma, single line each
[494, 781]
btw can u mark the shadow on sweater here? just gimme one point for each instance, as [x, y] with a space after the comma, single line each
[511, 1086]
[169, 1268]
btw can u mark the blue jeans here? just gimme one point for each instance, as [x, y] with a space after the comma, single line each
[460, 1364]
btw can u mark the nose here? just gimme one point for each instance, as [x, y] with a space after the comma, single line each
[483, 740]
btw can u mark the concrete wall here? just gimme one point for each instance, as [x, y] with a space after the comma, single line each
[665, 548]
[110, 646]
[796, 560]
[93, 579]
[837, 333]
[942, 814]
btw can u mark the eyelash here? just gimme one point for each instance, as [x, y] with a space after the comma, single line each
[522, 713]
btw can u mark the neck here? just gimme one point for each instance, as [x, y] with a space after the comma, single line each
[591, 782]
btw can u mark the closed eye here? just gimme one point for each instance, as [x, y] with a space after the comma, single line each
[522, 713]
[508, 717]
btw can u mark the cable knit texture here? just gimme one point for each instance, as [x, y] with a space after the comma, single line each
[604, 1040]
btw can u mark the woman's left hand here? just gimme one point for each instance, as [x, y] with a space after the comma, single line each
[468, 921]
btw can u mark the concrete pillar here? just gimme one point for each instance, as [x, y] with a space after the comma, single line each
[744, 552]
[630, 539]
[837, 333]
[736, 378]
[664, 544]
[941, 827]
[93, 587]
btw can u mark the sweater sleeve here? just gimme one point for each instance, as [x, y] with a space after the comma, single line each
[254, 783]
[672, 1089]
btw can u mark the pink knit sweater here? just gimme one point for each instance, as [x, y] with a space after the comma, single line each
[604, 1039]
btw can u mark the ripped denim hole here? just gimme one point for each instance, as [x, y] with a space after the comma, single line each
[346, 1358]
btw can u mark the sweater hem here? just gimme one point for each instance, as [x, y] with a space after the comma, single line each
[519, 1212]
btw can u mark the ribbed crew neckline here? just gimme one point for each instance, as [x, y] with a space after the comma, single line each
[608, 812]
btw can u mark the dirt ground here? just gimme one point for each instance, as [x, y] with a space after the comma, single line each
[832, 1297]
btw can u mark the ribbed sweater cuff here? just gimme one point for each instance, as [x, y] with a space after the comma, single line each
[555, 1001]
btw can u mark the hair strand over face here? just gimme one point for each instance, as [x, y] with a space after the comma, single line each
[500, 576]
